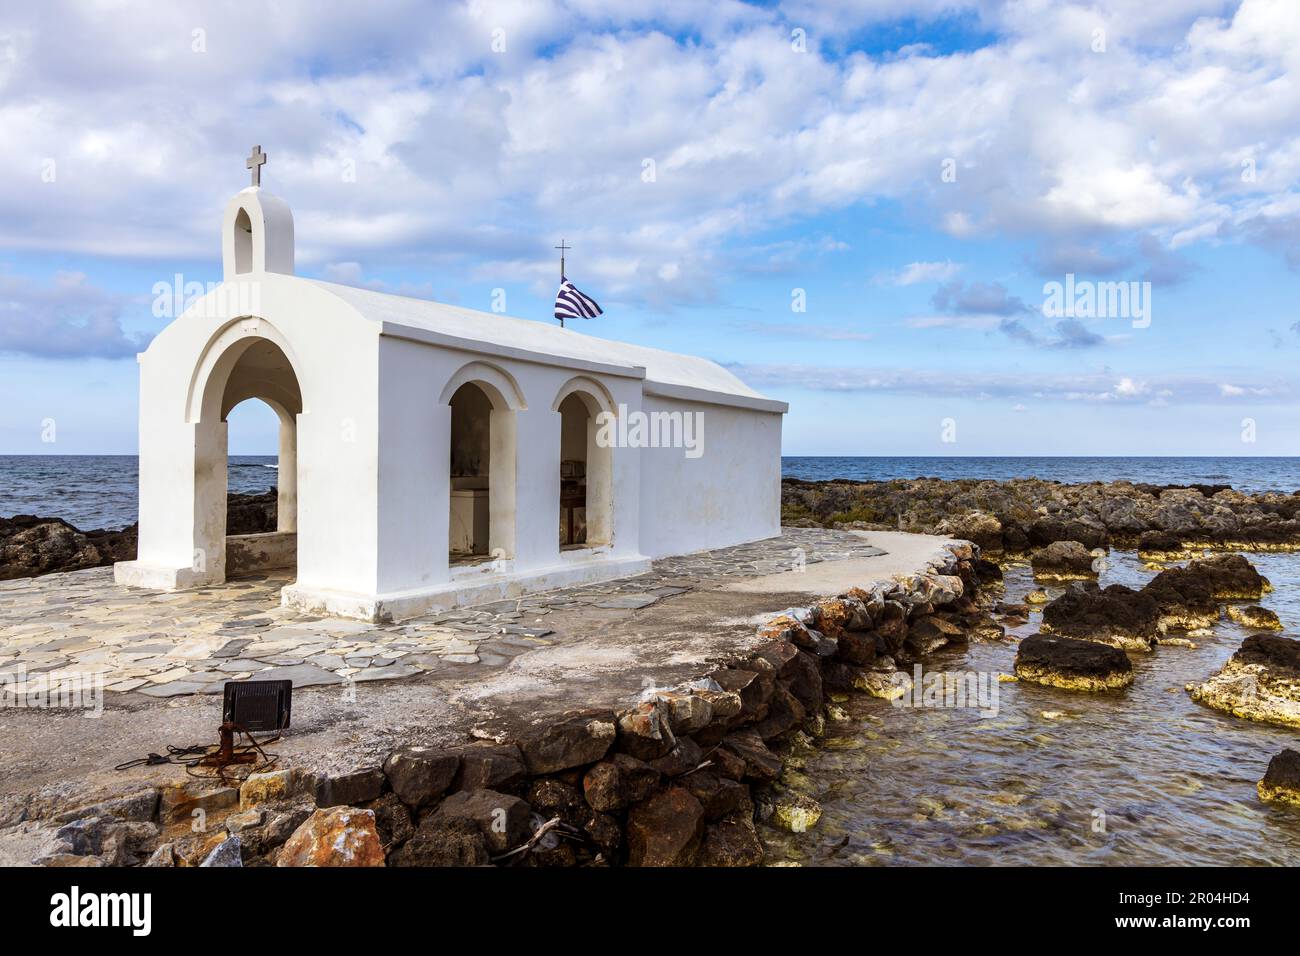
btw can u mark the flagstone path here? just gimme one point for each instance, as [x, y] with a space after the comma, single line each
[163, 644]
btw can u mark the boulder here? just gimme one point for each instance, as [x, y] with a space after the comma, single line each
[270, 787]
[341, 836]
[441, 841]
[754, 688]
[1231, 577]
[1117, 615]
[687, 712]
[488, 766]
[1072, 664]
[718, 795]
[572, 742]
[618, 781]
[1161, 546]
[358, 786]
[683, 758]
[1281, 781]
[796, 812]
[1185, 598]
[732, 841]
[760, 763]
[227, 853]
[419, 774]
[1260, 682]
[393, 820]
[645, 732]
[1064, 561]
[501, 818]
[1255, 617]
[666, 829]
[178, 802]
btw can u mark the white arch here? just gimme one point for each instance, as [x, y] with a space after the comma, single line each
[219, 357]
[590, 391]
[499, 386]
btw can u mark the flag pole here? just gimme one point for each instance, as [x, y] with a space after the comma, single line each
[562, 247]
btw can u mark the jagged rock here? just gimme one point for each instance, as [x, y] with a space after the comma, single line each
[581, 739]
[1161, 546]
[1072, 664]
[340, 836]
[163, 856]
[687, 713]
[419, 774]
[443, 842]
[760, 763]
[141, 806]
[1231, 577]
[1185, 598]
[179, 801]
[1281, 781]
[618, 781]
[718, 795]
[731, 841]
[644, 731]
[1064, 561]
[1117, 615]
[980, 527]
[359, 786]
[666, 829]
[683, 758]
[1260, 682]
[784, 713]
[487, 766]
[271, 787]
[393, 820]
[927, 634]
[1254, 616]
[858, 647]
[226, 853]
[500, 817]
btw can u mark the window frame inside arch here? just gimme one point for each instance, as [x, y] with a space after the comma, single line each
[243, 242]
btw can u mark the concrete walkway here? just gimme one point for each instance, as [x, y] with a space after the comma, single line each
[588, 647]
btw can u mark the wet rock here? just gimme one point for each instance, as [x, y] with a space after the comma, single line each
[1185, 598]
[581, 739]
[419, 774]
[1281, 781]
[666, 829]
[644, 731]
[1161, 546]
[986, 571]
[1117, 615]
[926, 635]
[487, 766]
[359, 786]
[1072, 664]
[732, 841]
[1254, 616]
[1231, 577]
[618, 781]
[796, 812]
[501, 818]
[443, 842]
[1260, 682]
[1064, 561]
[341, 836]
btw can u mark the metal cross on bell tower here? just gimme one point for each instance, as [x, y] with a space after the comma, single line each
[563, 248]
[255, 162]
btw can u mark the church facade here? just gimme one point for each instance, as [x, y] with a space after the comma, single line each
[432, 456]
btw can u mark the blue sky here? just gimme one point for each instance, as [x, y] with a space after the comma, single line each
[915, 172]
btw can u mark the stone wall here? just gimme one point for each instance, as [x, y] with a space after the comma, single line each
[678, 778]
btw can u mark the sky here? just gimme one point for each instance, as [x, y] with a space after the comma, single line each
[870, 209]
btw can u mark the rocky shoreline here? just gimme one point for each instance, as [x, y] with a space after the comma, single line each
[1015, 517]
[31, 545]
[680, 777]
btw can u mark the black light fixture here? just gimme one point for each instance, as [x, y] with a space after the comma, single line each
[258, 706]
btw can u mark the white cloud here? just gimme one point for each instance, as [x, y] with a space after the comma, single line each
[916, 272]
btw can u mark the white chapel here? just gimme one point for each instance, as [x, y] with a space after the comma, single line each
[432, 456]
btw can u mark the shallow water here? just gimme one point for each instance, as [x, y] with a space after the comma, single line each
[1138, 776]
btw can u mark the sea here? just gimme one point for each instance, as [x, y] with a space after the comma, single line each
[100, 491]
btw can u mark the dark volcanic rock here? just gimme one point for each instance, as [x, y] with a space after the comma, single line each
[1185, 597]
[500, 817]
[418, 774]
[666, 829]
[580, 739]
[1231, 577]
[1063, 561]
[1117, 615]
[1072, 664]
[443, 842]
[731, 842]
[1282, 780]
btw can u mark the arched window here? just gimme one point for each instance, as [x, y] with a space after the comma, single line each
[243, 242]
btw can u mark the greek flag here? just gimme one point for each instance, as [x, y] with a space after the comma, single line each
[572, 304]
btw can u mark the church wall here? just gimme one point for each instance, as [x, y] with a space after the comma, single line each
[729, 494]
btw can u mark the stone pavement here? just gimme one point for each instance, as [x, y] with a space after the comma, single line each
[165, 644]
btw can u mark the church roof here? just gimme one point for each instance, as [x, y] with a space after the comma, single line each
[675, 374]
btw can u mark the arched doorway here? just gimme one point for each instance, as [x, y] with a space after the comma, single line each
[252, 368]
[586, 468]
[482, 474]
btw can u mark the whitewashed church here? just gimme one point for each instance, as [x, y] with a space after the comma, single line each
[432, 456]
